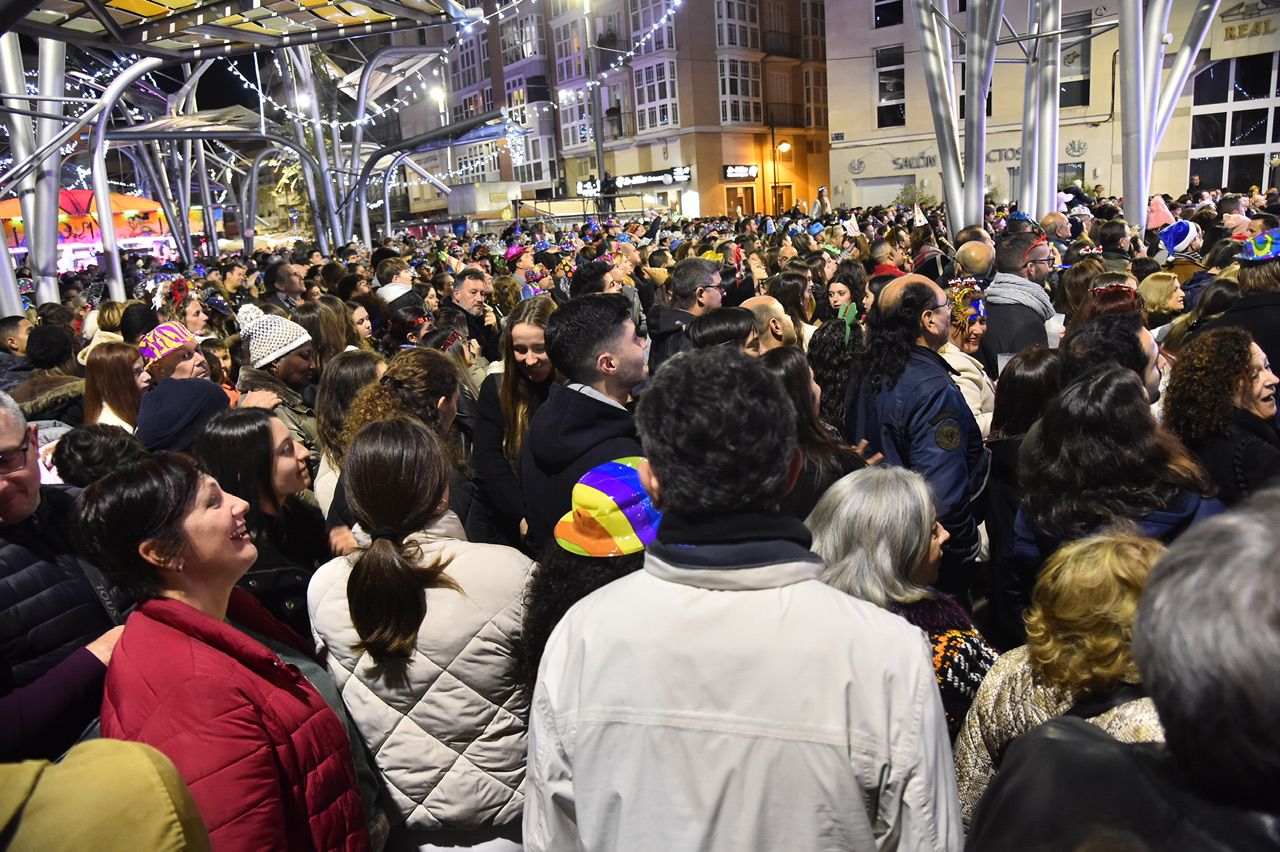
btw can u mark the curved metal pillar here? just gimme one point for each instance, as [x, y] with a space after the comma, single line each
[1048, 77]
[44, 250]
[1180, 73]
[386, 189]
[379, 57]
[935, 52]
[249, 197]
[308, 178]
[101, 188]
[361, 189]
[1134, 129]
[302, 67]
[10, 299]
[1154, 30]
[979, 55]
[1029, 191]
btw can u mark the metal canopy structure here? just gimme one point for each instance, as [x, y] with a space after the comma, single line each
[190, 30]
[1148, 95]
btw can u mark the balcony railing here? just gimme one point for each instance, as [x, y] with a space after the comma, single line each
[782, 44]
[784, 115]
[619, 125]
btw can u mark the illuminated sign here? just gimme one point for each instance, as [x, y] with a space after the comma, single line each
[741, 172]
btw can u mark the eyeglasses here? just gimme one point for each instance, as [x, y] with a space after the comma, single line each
[16, 459]
[719, 287]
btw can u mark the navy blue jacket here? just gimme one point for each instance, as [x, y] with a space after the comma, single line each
[923, 423]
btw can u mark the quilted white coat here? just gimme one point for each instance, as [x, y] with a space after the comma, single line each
[447, 731]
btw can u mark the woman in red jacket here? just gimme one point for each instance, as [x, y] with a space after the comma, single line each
[267, 761]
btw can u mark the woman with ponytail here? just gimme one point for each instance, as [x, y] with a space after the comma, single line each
[419, 628]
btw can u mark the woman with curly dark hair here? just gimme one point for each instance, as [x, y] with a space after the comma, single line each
[833, 349]
[1221, 402]
[1102, 460]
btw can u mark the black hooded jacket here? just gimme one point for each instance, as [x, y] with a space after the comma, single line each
[569, 434]
[668, 334]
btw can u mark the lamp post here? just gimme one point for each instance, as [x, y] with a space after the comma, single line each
[779, 148]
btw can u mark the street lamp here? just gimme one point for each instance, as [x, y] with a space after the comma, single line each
[778, 148]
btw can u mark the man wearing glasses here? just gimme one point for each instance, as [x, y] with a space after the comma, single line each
[47, 606]
[1017, 304]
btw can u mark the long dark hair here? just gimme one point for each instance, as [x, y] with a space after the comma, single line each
[822, 453]
[731, 326]
[791, 289]
[1027, 383]
[1102, 458]
[833, 350]
[145, 500]
[892, 335]
[396, 476]
[345, 376]
[516, 391]
[235, 448]
[562, 579]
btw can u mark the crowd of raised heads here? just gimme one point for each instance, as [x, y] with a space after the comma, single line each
[851, 530]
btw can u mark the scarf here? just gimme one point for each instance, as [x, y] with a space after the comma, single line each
[1008, 289]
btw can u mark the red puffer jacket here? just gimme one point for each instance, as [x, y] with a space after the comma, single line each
[267, 761]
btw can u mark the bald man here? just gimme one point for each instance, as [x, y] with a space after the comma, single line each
[976, 260]
[774, 328]
[907, 406]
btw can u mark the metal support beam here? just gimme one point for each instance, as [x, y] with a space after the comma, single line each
[935, 52]
[597, 107]
[1017, 39]
[1183, 62]
[302, 67]
[980, 54]
[1156, 27]
[249, 197]
[428, 176]
[1048, 77]
[52, 64]
[412, 144]
[101, 188]
[1135, 131]
[378, 58]
[1029, 191]
[13, 83]
[309, 179]
[10, 299]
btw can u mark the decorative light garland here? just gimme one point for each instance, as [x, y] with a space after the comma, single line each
[668, 15]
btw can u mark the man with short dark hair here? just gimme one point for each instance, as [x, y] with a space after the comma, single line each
[695, 290]
[973, 233]
[482, 322]
[1260, 223]
[14, 366]
[723, 698]
[285, 281]
[1203, 639]
[906, 405]
[585, 422]
[1017, 303]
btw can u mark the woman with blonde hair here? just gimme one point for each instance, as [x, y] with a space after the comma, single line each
[1077, 660]
[877, 531]
[1163, 297]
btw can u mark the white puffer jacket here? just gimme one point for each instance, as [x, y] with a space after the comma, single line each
[447, 731]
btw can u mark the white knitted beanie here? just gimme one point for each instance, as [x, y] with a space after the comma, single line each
[270, 337]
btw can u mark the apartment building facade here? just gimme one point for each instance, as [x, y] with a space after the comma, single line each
[1226, 127]
[708, 107]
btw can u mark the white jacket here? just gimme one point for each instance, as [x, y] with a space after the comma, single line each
[736, 710]
[447, 732]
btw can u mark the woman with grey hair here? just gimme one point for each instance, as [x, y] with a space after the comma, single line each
[877, 530]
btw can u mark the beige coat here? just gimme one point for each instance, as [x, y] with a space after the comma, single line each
[978, 391]
[1011, 702]
[447, 731]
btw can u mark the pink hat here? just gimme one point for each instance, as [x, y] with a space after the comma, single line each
[513, 252]
[1158, 214]
[1236, 223]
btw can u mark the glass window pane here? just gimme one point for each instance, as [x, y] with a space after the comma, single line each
[1249, 127]
[1275, 125]
[887, 57]
[1208, 131]
[1211, 84]
[1244, 171]
[891, 85]
[1075, 93]
[1253, 77]
[888, 14]
[891, 116]
[1209, 170]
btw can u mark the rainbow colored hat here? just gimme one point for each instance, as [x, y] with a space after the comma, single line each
[1265, 246]
[612, 514]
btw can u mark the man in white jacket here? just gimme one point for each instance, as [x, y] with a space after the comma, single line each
[722, 698]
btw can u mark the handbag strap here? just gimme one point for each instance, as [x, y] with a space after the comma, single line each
[102, 589]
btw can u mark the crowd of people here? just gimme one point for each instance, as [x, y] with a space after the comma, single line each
[850, 531]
